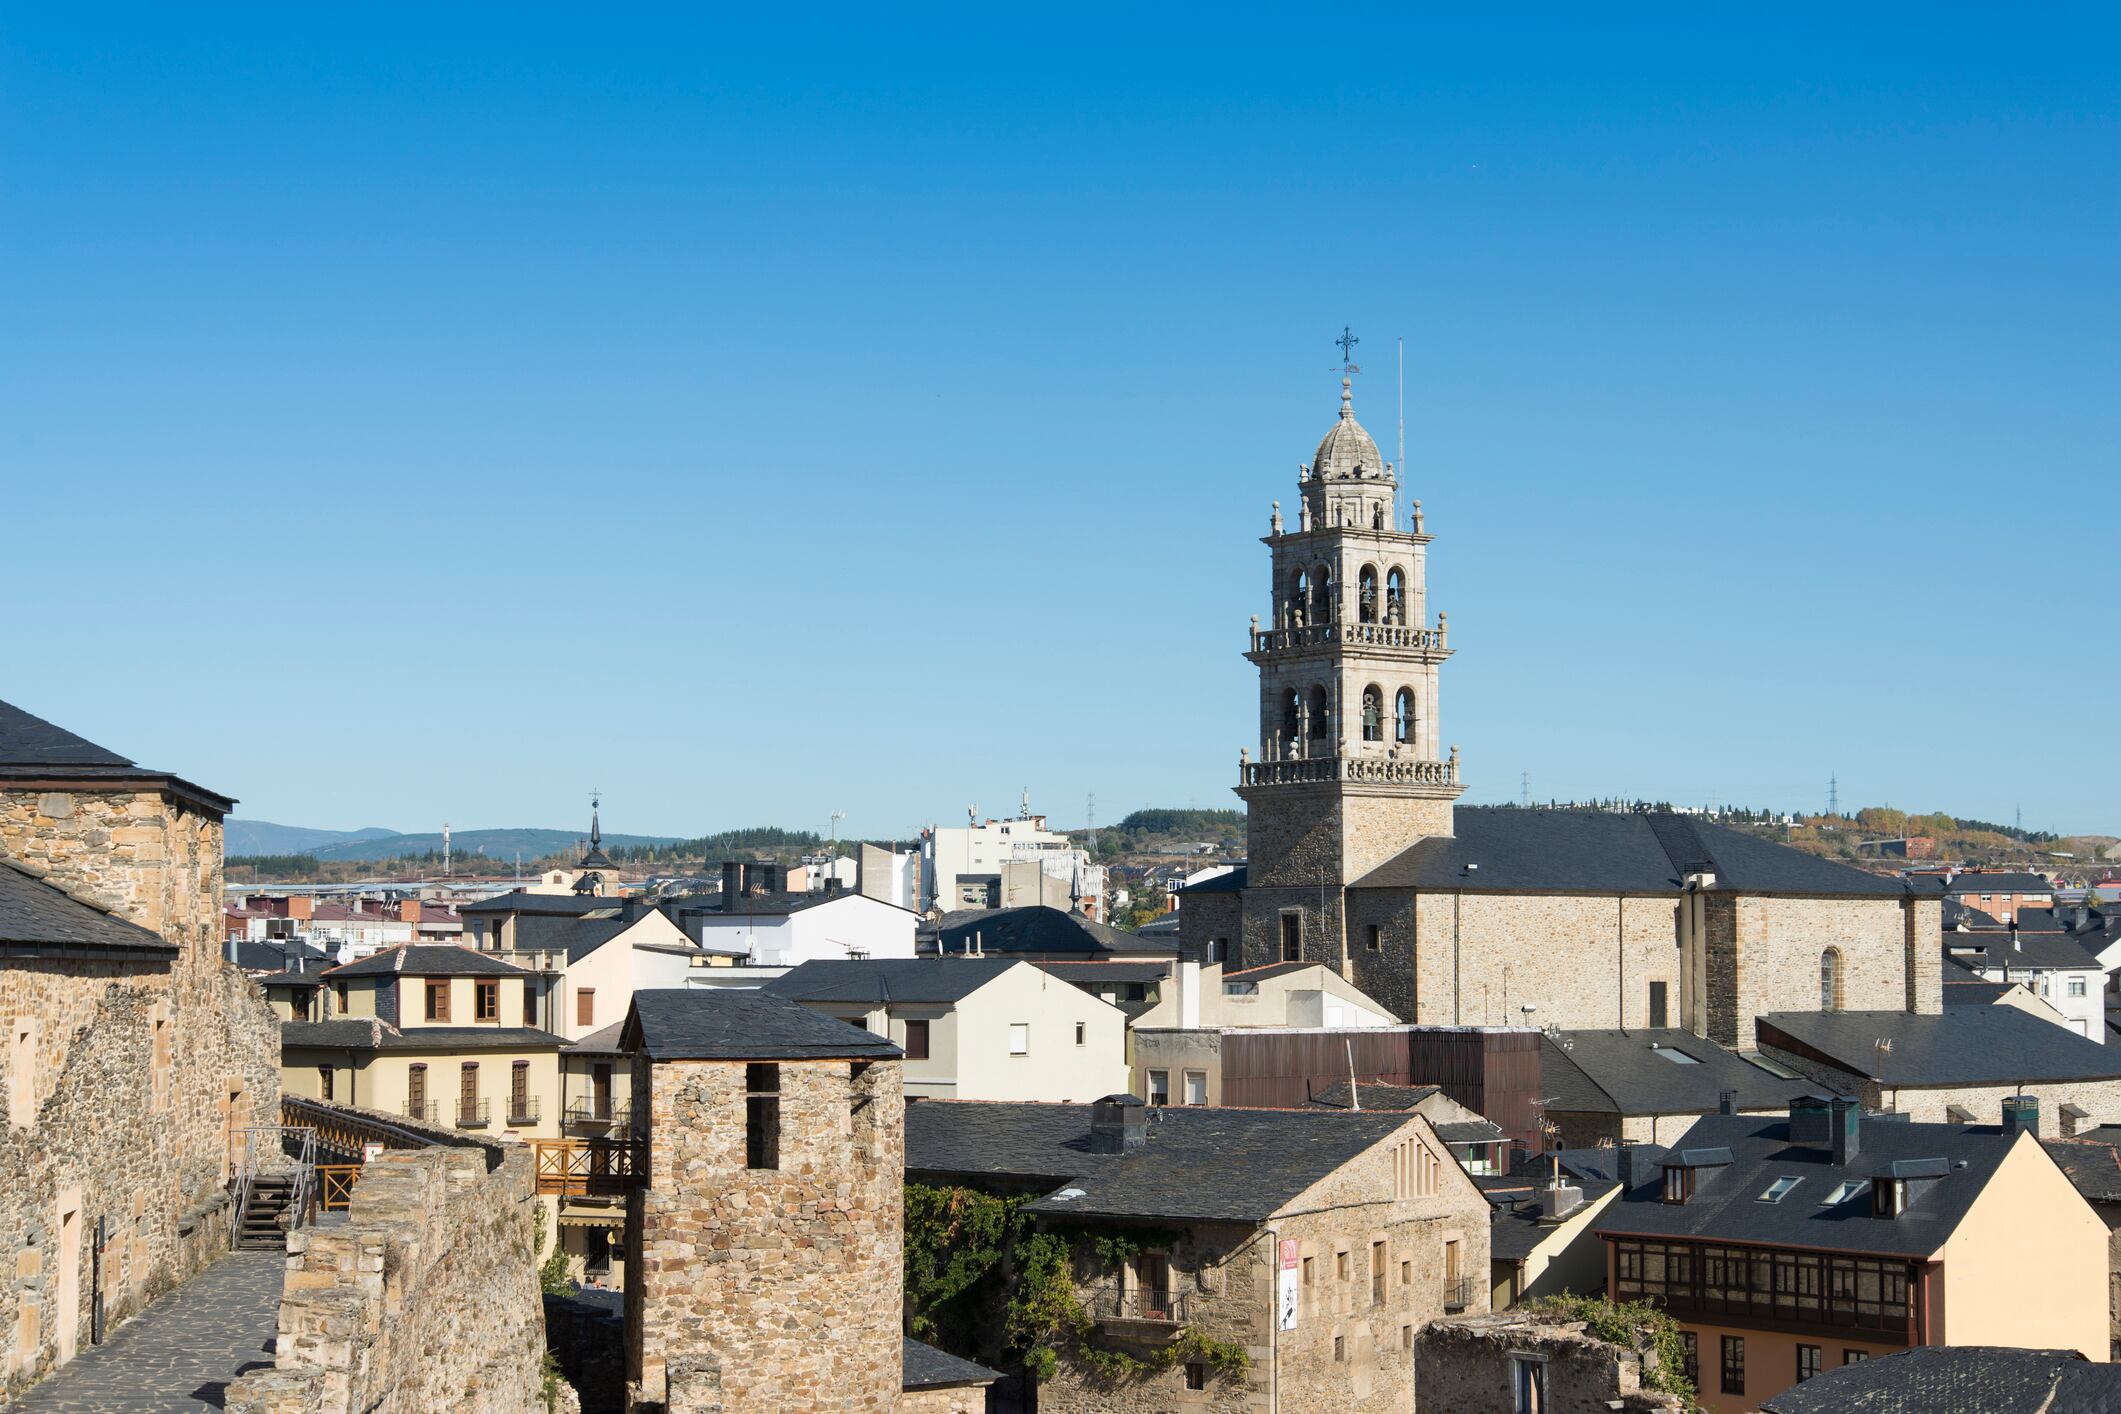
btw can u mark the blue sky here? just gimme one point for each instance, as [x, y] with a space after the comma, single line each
[410, 415]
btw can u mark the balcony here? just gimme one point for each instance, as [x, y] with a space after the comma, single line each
[1457, 1293]
[472, 1113]
[587, 1110]
[1138, 1307]
[1293, 640]
[1326, 770]
[422, 1110]
[523, 1109]
[588, 1168]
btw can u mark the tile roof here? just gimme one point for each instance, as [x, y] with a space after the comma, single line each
[725, 1023]
[1569, 851]
[429, 960]
[1627, 1072]
[1966, 1045]
[27, 740]
[892, 979]
[925, 1367]
[1197, 1164]
[1958, 1379]
[38, 918]
[1037, 929]
[1727, 1206]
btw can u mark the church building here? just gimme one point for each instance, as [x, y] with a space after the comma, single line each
[1361, 858]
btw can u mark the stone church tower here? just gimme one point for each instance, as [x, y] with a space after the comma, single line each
[1352, 769]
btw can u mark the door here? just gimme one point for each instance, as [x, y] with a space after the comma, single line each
[416, 1092]
[1156, 1285]
[600, 1091]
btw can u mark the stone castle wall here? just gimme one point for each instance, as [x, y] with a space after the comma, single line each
[768, 1290]
[970, 1400]
[426, 1299]
[141, 1071]
[1465, 1368]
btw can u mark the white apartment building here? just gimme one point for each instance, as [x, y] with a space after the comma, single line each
[1015, 863]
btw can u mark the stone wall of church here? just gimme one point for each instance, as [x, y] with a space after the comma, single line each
[133, 1075]
[1292, 838]
[1379, 828]
[1772, 952]
[1320, 914]
[1207, 917]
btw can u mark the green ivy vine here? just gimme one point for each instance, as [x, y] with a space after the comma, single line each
[963, 1246]
[1631, 1325]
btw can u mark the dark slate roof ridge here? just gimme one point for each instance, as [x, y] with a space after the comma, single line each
[1958, 1379]
[35, 912]
[925, 1367]
[721, 1023]
[435, 960]
[27, 739]
[1964, 1045]
[932, 978]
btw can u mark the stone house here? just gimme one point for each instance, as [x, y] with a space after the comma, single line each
[1318, 1241]
[134, 1053]
[1959, 1067]
[764, 1236]
[1520, 1361]
[1788, 1247]
[974, 1028]
[1360, 859]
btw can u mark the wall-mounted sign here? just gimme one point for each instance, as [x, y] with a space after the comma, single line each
[1289, 1287]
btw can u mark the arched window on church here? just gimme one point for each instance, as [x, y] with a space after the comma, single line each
[1320, 727]
[1322, 610]
[1403, 715]
[1291, 718]
[1366, 595]
[1373, 714]
[1396, 597]
[1830, 980]
[1299, 595]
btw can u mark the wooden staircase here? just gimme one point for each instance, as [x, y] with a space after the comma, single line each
[260, 1226]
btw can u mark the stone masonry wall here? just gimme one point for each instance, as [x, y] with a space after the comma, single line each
[1208, 916]
[141, 1070]
[767, 1290]
[969, 1400]
[1775, 946]
[1464, 1368]
[426, 1299]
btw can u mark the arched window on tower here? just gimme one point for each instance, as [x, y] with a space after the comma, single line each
[1830, 980]
[1291, 720]
[1373, 714]
[1320, 727]
[1403, 716]
[1322, 608]
[1299, 595]
[1396, 597]
[1377, 516]
[1366, 595]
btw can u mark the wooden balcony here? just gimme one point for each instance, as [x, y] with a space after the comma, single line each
[589, 1167]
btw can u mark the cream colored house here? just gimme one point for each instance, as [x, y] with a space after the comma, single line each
[974, 1028]
[597, 951]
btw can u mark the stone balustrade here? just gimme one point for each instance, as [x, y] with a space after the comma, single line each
[1284, 640]
[1322, 770]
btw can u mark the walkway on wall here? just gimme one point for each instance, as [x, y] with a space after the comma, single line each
[181, 1352]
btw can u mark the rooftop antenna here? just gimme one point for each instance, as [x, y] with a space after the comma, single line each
[1023, 808]
[445, 850]
[1090, 815]
[1526, 789]
[832, 831]
[972, 816]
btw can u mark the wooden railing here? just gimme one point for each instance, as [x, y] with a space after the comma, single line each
[335, 1184]
[584, 1168]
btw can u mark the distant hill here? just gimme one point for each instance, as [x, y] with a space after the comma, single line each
[256, 837]
[264, 837]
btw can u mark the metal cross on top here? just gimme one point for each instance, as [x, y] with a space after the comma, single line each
[1347, 343]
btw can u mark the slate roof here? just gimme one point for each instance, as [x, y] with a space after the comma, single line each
[429, 960]
[1956, 913]
[1469, 1131]
[276, 955]
[1515, 1229]
[602, 1042]
[892, 979]
[1726, 1205]
[1966, 1045]
[723, 1023]
[1042, 931]
[2093, 1164]
[1570, 851]
[522, 901]
[1108, 970]
[361, 1033]
[1375, 1095]
[27, 740]
[1198, 1164]
[925, 1367]
[2056, 952]
[1266, 970]
[1623, 1072]
[1229, 883]
[1958, 1379]
[39, 919]
[2007, 882]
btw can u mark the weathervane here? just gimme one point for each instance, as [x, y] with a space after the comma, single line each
[1346, 343]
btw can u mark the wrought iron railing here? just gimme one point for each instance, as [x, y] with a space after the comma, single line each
[1457, 1293]
[422, 1110]
[523, 1109]
[589, 1110]
[471, 1110]
[1139, 1303]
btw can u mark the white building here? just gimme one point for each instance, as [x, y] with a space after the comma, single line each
[2053, 966]
[786, 930]
[975, 1028]
[1007, 864]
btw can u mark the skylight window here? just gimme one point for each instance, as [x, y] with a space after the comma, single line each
[1674, 1055]
[1778, 1190]
[1843, 1191]
[601, 913]
[1779, 1072]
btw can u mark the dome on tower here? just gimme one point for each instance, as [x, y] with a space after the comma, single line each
[1347, 449]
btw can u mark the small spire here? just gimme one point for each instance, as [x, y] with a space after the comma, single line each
[596, 832]
[1347, 399]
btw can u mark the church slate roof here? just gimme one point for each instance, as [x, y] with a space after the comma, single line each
[1966, 1045]
[39, 919]
[1197, 1164]
[721, 1023]
[1502, 849]
[1958, 1379]
[1726, 1204]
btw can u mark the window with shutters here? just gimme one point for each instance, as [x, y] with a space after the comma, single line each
[438, 999]
[585, 1006]
[916, 1040]
[486, 999]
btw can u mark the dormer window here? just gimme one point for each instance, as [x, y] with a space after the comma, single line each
[1678, 1184]
[1888, 1197]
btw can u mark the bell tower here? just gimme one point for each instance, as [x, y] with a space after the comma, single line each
[1352, 768]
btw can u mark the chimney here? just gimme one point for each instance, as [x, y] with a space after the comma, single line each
[1638, 1164]
[230, 948]
[732, 881]
[2021, 1115]
[1119, 1124]
[1558, 1200]
[2016, 946]
[1847, 1126]
[1808, 1120]
[1726, 1102]
[832, 885]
